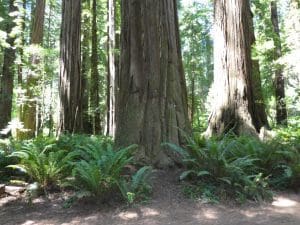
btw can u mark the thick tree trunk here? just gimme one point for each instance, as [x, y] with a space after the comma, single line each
[70, 118]
[95, 100]
[111, 75]
[152, 100]
[281, 112]
[7, 78]
[29, 110]
[234, 101]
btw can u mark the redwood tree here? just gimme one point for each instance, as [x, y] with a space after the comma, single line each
[7, 78]
[152, 98]
[234, 106]
[70, 117]
[111, 68]
[29, 109]
[281, 112]
[94, 95]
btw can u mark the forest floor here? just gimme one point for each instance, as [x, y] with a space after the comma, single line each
[167, 206]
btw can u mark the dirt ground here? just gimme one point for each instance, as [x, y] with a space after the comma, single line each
[167, 206]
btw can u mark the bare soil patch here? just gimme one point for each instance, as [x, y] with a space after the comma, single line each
[167, 206]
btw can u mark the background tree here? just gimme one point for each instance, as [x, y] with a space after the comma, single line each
[234, 101]
[70, 117]
[281, 112]
[29, 109]
[111, 74]
[7, 78]
[197, 50]
[86, 64]
[152, 100]
[95, 85]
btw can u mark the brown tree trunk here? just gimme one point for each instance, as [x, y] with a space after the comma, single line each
[111, 75]
[95, 100]
[234, 101]
[21, 50]
[259, 107]
[281, 112]
[70, 118]
[7, 78]
[152, 100]
[86, 68]
[29, 110]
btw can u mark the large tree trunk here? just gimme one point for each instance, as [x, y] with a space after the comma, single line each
[152, 100]
[111, 75]
[281, 112]
[7, 78]
[70, 118]
[234, 101]
[29, 110]
[95, 100]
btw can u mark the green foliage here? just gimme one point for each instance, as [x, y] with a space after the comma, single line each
[6, 147]
[42, 162]
[195, 26]
[99, 168]
[239, 167]
[137, 186]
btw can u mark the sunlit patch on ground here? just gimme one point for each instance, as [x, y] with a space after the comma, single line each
[209, 214]
[128, 215]
[149, 212]
[29, 222]
[284, 202]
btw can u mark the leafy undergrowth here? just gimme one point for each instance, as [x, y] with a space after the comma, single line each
[241, 168]
[89, 165]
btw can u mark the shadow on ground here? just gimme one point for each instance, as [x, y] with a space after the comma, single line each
[168, 206]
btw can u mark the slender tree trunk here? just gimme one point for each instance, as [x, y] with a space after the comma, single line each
[29, 111]
[111, 75]
[152, 100]
[192, 108]
[7, 78]
[95, 98]
[70, 118]
[234, 101]
[281, 112]
[259, 107]
[21, 51]
[86, 68]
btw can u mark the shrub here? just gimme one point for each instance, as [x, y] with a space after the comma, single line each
[227, 164]
[6, 148]
[42, 161]
[137, 186]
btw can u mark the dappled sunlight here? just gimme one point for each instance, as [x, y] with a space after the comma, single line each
[250, 214]
[28, 222]
[209, 214]
[149, 212]
[143, 212]
[128, 215]
[284, 202]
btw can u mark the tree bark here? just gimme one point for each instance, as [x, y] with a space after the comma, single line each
[70, 118]
[95, 100]
[86, 68]
[152, 99]
[281, 112]
[234, 101]
[7, 78]
[111, 75]
[29, 109]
